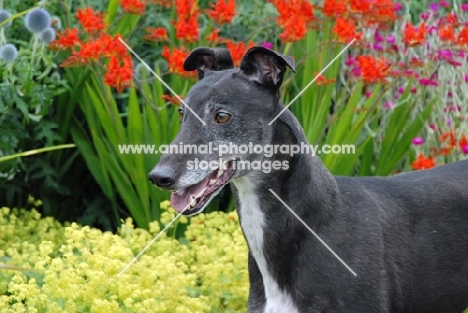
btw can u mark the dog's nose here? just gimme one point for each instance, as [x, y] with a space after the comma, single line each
[162, 177]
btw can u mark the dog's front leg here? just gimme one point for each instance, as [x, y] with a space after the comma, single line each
[257, 300]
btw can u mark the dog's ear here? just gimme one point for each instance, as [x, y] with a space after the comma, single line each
[265, 66]
[206, 59]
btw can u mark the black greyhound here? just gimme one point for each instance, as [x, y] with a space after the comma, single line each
[405, 236]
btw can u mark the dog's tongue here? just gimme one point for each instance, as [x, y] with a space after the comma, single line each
[181, 198]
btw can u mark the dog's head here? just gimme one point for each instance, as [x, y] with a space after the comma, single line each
[236, 104]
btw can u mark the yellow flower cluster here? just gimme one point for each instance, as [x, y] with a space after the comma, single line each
[49, 267]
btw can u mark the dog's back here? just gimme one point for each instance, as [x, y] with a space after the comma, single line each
[420, 221]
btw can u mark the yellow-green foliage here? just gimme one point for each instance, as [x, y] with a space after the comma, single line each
[47, 267]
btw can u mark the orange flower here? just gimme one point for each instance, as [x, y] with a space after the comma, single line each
[322, 80]
[91, 21]
[413, 37]
[186, 8]
[111, 46]
[67, 39]
[187, 25]
[90, 51]
[223, 11]
[293, 28]
[172, 99]
[451, 139]
[119, 76]
[293, 32]
[446, 33]
[373, 69]
[175, 60]
[156, 34]
[187, 30]
[422, 163]
[214, 37]
[383, 9]
[345, 30]
[463, 36]
[133, 6]
[238, 50]
[360, 6]
[335, 7]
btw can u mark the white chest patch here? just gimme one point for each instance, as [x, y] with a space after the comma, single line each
[253, 223]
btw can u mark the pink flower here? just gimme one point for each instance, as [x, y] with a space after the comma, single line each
[464, 6]
[389, 105]
[465, 149]
[444, 3]
[397, 6]
[267, 45]
[466, 78]
[350, 60]
[425, 15]
[428, 82]
[413, 90]
[445, 53]
[434, 6]
[417, 141]
[390, 39]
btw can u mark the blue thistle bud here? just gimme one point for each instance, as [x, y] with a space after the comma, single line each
[37, 20]
[8, 52]
[47, 35]
[4, 15]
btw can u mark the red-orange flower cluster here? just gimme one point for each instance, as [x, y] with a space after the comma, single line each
[175, 60]
[186, 25]
[223, 11]
[346, 30]
[462, 38]
[91, 21]
[238, 50]
[156, 34]
[335, 7]
[67, 39]
[446, 33]
[119, 76]
[373, 70]
[97, 46]
[370, 11]
[294, 16]
[414, 37]
[423, 163]
[133, 6]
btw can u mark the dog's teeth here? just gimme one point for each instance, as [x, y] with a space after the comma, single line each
[193, 201]
[220, 172]
[212, 181]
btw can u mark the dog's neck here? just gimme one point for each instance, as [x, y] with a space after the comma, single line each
[307, 187]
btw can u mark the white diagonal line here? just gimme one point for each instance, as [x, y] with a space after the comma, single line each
[313, 233]
[161, 80]
[157, 236]
[313, 80]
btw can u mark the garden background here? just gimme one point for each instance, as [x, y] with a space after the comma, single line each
[76, 210]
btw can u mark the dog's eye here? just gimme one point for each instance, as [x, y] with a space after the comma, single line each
[222, 117]
[181, 115]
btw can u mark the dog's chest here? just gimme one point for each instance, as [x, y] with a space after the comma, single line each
[253, 225]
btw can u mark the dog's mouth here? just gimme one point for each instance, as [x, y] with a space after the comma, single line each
[193, 199]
